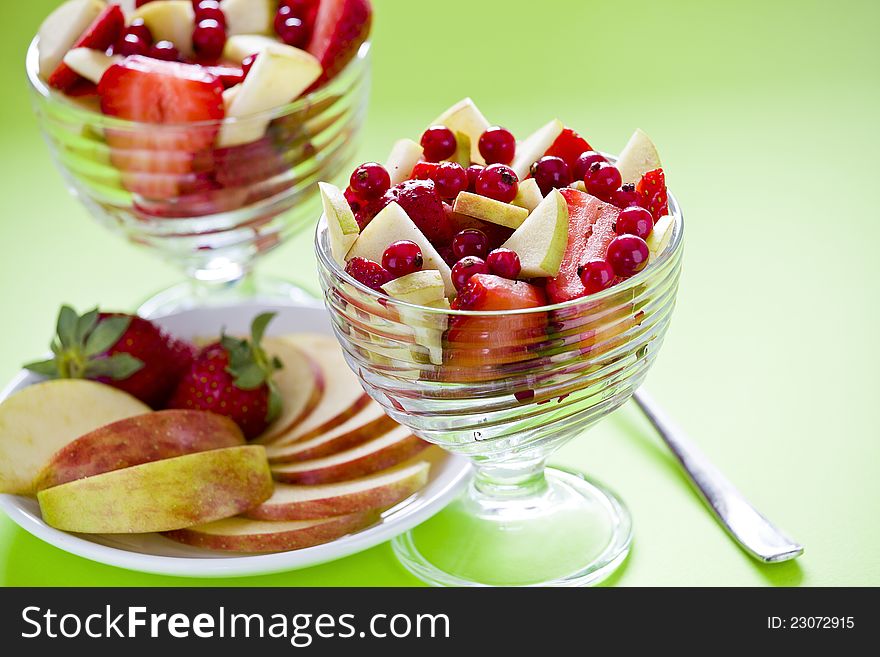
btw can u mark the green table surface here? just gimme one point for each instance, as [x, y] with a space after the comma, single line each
[766, 115]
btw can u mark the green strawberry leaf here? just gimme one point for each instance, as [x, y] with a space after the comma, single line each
[47, 368]
[258, 327]
[275, 403]
[85, 325]
[106, 334]
[66, 326]
[248, 377]
[116, 367]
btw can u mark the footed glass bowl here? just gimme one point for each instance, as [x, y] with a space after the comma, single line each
[210, 211]
[506, 389]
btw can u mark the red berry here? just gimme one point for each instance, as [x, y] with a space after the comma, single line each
[497, 181]
[505, 263]
[420, 200]
[370, 180]
[139, 28]
[652, 190]
[627, 255]
[596, 275]
[467, 267]
[247, 64]
[209, 37]
[402, 258]
[473, 171]
[635, 221]
[132, 44]
[497, 145]
[551, 173]
[291, 29]
[424, 170]
[370, 273]
[583, 162]
[625, 196]
[469, 242]
[438, 143]
[165, 51]
[209, 9]
[353, 199]
[602, 179]
[450, 178]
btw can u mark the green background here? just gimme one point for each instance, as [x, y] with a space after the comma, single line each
[765, 114]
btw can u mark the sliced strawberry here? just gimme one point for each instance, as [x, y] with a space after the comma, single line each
[81, 88]
[104, 31]
[341, 26]
[652, 190]
[569, 145]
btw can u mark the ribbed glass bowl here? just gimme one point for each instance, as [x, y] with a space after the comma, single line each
[507, 389]
[214, 211]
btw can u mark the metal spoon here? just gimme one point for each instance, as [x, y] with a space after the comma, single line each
[754, 533]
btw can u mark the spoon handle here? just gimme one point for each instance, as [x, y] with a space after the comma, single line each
[754, 533]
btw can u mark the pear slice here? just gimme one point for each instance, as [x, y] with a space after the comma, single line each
[659, 238]
[90, 64]
[637, 158]
[393, 224]
[248, 16]
[533, 147]
[528, 195]
[466, 118]
[542, 239]
[341, 225]
[239, 46]
[488, 209]
[419, 288]
[170, 20]
[62, 28]
[404, 156]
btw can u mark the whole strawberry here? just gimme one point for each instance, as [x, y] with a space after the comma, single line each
[233, 377]
[124, 351]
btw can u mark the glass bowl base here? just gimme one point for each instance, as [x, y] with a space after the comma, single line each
[575, 533]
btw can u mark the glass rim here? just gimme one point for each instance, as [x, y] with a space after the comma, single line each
[672, 250]
[90, 117]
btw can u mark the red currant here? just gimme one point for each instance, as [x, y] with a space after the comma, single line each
[354, 201]
[165, 51]
[550, 173]
[449, 179]
[402, 258]
[625, 196]
[209, 37]
[497, 145]
[369, 181]
[471, 296]
[132, 44]
[467, 267]
[469, 242]
[370, 273]
[139, 27]
[583, 162]
[596, 275]
[424, 170]
[290, 28]
[209, 9]
[602, 179]
[505, 263]
[627, 255]
[438, 143]
[497, 181]
[635, 221]
[473, 171]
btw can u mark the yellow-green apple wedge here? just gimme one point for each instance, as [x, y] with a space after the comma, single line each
[542, 239]
[383, 452]
[528, 194]
[429, 328]
[532, 148]
[637, 158]
[404, 156]
[162, 495]
[659, 238]
[466, 118]
[579, 185]
[278, 76]
[377, 491]
[342, 229]
[419, 287]
[367, 424]
[462, 153]
[488, 209]
[41, 419]
[170, 20]
[393, 224]
[61, 29]
[343, 395]
[239, 46]
[248, 535]
[90, 64]
[139, 439]
[300, 383]
[248, 16]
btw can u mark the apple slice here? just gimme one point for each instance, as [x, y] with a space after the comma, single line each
[41, 419]
[377, 491]
[246, 535]
[637, 158]
[419, 288]
[466, 118]
[533, 147]
[367, 424]
[342, 228]
[659, 238]
[62, 28]
[170, 20]
[239, 46]
[542, 239]
[579, 185]
[343, 395]
[404, 156]
[162, 495]
[488, 209]
[393, 224]
[90, 64]
[462, 153]
[139, 439]
[300, 383]
[528, 194]
[380, 453]
[248, 16]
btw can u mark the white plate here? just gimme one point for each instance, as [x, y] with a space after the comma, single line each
[153, 553]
